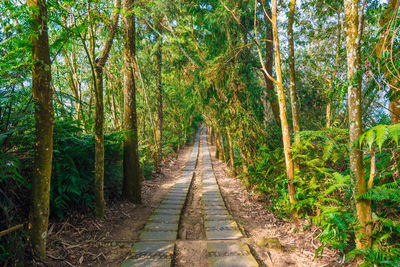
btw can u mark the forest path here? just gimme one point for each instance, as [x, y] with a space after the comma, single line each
[192, 226]
[193, 211]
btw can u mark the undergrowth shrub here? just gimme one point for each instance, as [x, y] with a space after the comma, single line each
[325, 192]
[12, 184]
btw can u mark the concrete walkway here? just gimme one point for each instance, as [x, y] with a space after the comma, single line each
[227, 250]
[157, 240]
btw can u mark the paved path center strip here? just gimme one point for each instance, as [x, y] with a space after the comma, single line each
[162, 228]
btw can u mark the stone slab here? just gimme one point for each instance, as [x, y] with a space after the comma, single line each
[212, 196]
[168, 211]
[170, 205]
[177, 199]
[224, 223]
[177, 194]
[211, 211]
[223, 233]
[215, 207]
[172, 202]
[176, 191]
[230, 253]
[158, 235]
[164, 218]
[157, 226]
[146, 254]
[217, 217]
[211, 205]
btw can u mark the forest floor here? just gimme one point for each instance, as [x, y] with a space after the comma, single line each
[83, 240]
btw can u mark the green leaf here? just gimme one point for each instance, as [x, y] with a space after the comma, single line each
[381, 135]
[370, 138]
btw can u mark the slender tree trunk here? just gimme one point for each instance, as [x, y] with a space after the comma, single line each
[225, 147]
[216, 144]
[132, 179]
[99, 116]
[292, 73]
[43, 102]
[114, 111]
[99, 145]
[211, 136]
[159, 94]
[338, 37]
[384, 45]
[282, 107]
[219, 152]
[231, 152]
[178, 149]
[363, 206]
[221, 155]
[269, 62]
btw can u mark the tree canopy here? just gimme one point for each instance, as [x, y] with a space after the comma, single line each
[302, 99]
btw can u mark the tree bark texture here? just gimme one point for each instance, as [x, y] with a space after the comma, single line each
[231, 152]
[282, 107]
[43, 106]
[338, 38]
[292, 73]
[269, 62]
[100, 63]
[132, 179]
[353, 39]
[219, 152]
[159, 93]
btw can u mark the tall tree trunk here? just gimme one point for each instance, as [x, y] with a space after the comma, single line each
[159, 93]
[353, 40]
[114, 111]
[231, 152]
[384, 45]
[132, 179]
[219, 152]
[43, 102]
[225, 145]
[99, 145]
[282, 107]
[269, 62]
[99, 116]
[292, 73]
[338, 37]
[211, 133]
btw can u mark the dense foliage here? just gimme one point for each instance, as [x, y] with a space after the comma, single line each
[213, 54]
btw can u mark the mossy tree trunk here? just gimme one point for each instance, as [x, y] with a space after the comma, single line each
[100, 63]
[231, 152]
[43, 106]
[132, 178]
[225, 145]
[219, 152]
[353, 39]
[99, 205]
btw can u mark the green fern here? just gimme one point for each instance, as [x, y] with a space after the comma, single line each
[380, 134]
